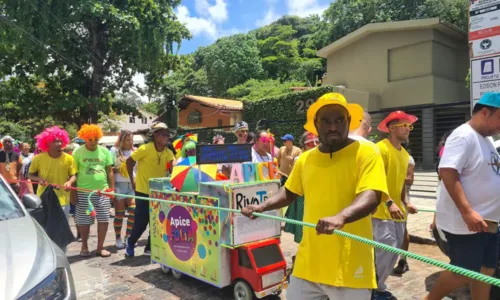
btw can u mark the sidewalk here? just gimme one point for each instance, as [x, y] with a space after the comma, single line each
[418, 224]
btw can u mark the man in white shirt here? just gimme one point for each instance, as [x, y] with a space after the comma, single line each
[361, 133]
[469, 197]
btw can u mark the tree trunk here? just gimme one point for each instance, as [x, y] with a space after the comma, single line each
[98, 36]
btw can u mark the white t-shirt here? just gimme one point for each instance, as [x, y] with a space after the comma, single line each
[116, 163]
[474, 157]
[411, 161]
[256, 158]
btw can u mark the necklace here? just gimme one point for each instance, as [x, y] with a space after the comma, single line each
[159, 155]
[7, 161]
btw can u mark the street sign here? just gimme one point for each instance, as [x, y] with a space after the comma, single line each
[484, 27]
[485, 77]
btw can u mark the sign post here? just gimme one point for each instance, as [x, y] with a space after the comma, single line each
[484, 46]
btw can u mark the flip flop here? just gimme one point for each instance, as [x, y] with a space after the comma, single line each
[85, 253]
[100, 253]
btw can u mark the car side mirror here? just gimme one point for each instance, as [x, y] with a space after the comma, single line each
[32, 201]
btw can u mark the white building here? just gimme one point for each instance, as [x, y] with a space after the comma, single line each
[135, 123]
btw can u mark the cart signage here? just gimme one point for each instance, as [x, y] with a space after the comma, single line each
[246, 230]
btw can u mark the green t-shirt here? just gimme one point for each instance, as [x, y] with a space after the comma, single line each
[91, 167]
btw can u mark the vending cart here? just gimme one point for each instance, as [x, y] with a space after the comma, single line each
[220, 248]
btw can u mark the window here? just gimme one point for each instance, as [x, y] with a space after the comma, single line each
[267, 255]
[9, 207]
[219, 123]
[244, 259]
[144, 120]
[131, 119]
[194, 117]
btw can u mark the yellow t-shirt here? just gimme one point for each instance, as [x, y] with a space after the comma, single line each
[54, 171]
[396, 166]
[329, 185]
[150, 164]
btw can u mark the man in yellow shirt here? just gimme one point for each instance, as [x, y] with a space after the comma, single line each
[343, 181]
[152, 159]
[53, 165]
[389, 221]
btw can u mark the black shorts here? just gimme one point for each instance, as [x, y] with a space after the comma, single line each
[473, 251]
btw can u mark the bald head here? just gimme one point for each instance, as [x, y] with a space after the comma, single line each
[366, 126]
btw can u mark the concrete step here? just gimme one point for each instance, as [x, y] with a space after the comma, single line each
[423, 188]
[423, 195]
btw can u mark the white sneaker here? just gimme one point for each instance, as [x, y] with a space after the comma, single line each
[119, 244]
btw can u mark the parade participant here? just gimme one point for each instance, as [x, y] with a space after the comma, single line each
[295, 210]
[241, 132]
[469, 198]
[10, 163]
[362, 132]
[95, 172]
[121, 152]
[286, 157]
[53, 165]
[390, 218]
[25, 187]
[189, 149]
[152, 159]
[343, 181]
[402, 266]
[261, 150]
[218, 140]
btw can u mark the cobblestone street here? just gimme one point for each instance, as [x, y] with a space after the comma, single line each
[118, 277]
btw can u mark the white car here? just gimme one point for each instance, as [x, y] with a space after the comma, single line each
[31, 265]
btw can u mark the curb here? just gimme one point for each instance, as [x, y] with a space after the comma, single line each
[422, 240]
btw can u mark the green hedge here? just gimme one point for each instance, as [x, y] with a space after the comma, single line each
[287, 107]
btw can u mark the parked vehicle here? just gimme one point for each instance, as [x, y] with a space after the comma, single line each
[33, 267]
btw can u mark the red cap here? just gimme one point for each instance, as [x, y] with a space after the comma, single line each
[396, 115]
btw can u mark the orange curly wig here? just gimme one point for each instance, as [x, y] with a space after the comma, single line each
[90, 131]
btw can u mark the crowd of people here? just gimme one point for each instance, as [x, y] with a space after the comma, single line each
[337, 179]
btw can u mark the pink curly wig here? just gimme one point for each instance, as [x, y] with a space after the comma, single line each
[49, 135]
[90, 131]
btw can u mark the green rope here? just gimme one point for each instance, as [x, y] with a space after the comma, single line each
[426, 210]
[430, 261]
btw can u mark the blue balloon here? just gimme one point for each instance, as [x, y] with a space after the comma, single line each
[202, 251]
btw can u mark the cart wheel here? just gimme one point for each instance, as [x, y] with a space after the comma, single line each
[176, 274]
[242, 291]
[164, 269]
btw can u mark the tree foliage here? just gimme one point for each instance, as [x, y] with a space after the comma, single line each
[255, 89]
[84, 51]
[231, 61]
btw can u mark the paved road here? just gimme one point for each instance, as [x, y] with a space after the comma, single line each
[118, 277]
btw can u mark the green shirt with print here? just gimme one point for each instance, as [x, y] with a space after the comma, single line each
[91, 167]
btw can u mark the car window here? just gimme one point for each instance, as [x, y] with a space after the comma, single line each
[9, 206]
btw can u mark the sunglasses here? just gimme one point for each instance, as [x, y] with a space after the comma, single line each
[312, 143]
[266, 140]
[93, 140]
[405, 126]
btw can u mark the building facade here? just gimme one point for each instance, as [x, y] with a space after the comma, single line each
[419, 66]
[203, 112]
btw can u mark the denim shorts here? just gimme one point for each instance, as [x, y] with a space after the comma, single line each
[473, 251]
[124, 188]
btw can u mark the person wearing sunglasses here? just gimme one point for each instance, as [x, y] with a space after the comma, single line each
[261, 151]
[241, 132]
[152, 160]
[389, 221]
[94, 165]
